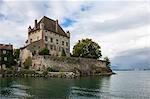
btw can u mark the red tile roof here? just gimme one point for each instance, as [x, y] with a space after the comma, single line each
[6, 46]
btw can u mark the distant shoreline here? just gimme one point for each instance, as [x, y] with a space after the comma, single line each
[131, 70]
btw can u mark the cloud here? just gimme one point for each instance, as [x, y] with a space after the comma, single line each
[122, 23]
[118, 26]
[133, 59]
[2, 17]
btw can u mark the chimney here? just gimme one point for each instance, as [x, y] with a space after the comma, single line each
[56, 25]
[35, 24]
[29, 29]
[68, 33]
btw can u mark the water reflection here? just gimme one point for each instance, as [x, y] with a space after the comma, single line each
[55, 87]
[125, 85]
[90, 87]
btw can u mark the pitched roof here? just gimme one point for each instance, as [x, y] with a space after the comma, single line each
[32, 44]
[50, 25]
[5, 46]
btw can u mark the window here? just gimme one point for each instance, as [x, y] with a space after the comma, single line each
[5, 58]
[46, 38]
[55, 48]
[56, 41]
[51, 40]
[66, 43]
[30, 40]
[51, 47]
[4, 51]
[62, 42]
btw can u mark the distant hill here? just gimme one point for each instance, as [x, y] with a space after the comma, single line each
[132, 59]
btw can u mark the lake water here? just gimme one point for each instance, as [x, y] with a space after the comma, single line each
[123, 85]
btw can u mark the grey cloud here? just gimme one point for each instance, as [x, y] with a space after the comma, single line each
[123, 23]
[133, 59]
[2, 16]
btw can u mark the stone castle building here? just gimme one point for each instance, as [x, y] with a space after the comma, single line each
[46, 33]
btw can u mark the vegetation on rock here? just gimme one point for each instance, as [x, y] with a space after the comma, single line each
[87, 48]
[16, 54]
[45, 73]
[44, 51]
[28, 63]
[63, 52]
[108, 63]
[53, 69]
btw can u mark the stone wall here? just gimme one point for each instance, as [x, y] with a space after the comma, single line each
[24, 54]
[34, 36]
[78, 65]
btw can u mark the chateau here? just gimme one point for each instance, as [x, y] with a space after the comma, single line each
[46, 33]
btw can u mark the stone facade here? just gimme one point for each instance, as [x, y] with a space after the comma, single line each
[69, 64]
[46, 33]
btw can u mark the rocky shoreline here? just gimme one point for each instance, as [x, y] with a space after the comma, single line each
[50, 74]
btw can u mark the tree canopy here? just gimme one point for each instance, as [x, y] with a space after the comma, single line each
[28, 63]
[107, 61]
[16, 54]
[87, 48]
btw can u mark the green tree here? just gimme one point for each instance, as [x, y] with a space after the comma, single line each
[44, 51]
[16, 54]
[63, 52]
[28, 63]
[108, 63]
[87, 48]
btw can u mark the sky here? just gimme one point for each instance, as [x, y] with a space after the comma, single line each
[120, 27]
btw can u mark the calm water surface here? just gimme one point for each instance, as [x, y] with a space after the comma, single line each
[124, 85]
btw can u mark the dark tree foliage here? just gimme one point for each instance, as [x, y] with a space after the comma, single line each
[16, 54]
[108, 61]
[87, 48]
[28, 63]
[44, 51]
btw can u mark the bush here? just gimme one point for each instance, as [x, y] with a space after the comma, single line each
[10, 71]
[28, 63]
[45, 73]
[16, 54]
[44, 51]
[24, 71]
[108, 63]
[53, 69]
[93, 67]
[49, 69]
